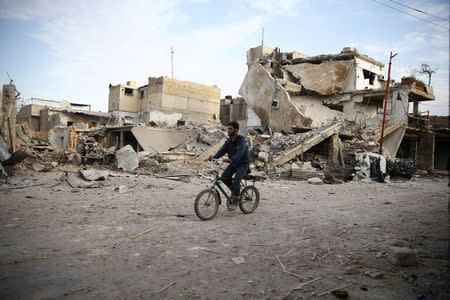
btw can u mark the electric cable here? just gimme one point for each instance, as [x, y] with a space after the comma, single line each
[418, 10]
[425, 20]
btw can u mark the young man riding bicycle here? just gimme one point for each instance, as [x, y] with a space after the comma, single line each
[239, 159]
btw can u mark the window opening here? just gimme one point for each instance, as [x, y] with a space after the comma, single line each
[128, 92]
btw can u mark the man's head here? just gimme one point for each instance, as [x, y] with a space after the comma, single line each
[233, 128]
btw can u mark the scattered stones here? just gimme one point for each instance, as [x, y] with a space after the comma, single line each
[303, 172]
[351, 270]
[238, 260]
[374, 274]
[38, 167]
[263, 156]
[315, 181]
[402, 256]
[95, 174]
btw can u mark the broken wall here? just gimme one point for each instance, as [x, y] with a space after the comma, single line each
[8, 115]
[325, 78]
[123, 98]
[194, 101]
[368, 75]
[30, 115]
[254, 54]
[259, 89]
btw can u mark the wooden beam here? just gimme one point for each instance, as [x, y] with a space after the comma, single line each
[290, 154]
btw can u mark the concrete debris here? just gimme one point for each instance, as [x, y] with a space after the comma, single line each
[303, 116]
[38, 167]
[76, 182]
[374, 274]
[401, 168]
[4, 150]
[315, 181]
[403, 256]
[349, 270]
[238, 260]
[263, 156]
[92, 175]
[127, 158]
[303, 171]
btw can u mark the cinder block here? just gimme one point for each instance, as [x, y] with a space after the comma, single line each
[402, 256]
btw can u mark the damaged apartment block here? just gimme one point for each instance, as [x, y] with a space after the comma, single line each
[340, 97]
[166, 100]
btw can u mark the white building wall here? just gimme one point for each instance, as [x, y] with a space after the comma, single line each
[363, 83]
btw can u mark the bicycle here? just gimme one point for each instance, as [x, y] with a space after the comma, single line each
[207, 201]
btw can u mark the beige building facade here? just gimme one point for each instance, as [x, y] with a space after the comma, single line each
[188, 100]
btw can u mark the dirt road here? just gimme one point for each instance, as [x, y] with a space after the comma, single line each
[61, 242]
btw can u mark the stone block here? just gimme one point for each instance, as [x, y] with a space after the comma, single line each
[304, 171]
[263, 156]
[315, 180]
[402, 256]
[127, 158]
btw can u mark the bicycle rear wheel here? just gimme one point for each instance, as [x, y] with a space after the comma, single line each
[249, 199]
[206, 204]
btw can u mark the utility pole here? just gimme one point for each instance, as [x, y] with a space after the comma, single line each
[385, 101]
[171, 54]
[262, 43]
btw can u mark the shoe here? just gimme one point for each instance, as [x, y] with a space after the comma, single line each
[233, 205]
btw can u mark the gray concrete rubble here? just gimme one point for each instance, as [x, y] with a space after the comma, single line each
[4, 150]
[403, 256]
[303, 116]
[288, 91]
[127, 158]
[92, 175]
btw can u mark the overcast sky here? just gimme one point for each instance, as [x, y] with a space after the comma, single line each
[73, 50]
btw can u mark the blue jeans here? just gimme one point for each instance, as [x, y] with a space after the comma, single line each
[239, 173]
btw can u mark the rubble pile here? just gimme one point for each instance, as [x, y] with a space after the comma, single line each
[401, 168]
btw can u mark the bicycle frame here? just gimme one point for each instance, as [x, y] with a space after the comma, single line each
[217, 180]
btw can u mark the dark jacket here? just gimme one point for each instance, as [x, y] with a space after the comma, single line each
[237, 151]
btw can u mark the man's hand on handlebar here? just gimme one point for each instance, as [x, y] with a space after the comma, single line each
[227, 160]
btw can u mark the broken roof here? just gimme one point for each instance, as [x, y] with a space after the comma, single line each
[346, 54]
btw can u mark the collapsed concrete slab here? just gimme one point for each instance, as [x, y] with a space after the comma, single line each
[270, 101]
[127, 159]
[325, 78]
[313, 138]
[156, 140]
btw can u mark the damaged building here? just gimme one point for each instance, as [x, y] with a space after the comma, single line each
[166, 100]
[43, 115]
[289, 90]
[302, 115]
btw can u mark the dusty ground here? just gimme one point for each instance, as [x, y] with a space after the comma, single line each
[60, 242]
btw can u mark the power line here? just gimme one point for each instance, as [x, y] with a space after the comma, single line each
[425, 20]
[418, 10]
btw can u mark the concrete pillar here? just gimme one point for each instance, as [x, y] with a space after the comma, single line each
[8, 119]
[121, 139]
[425, 151]
[333, 149]
[416, 108]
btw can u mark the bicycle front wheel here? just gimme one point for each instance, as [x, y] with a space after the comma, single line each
[249, 199]
[206, 204]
